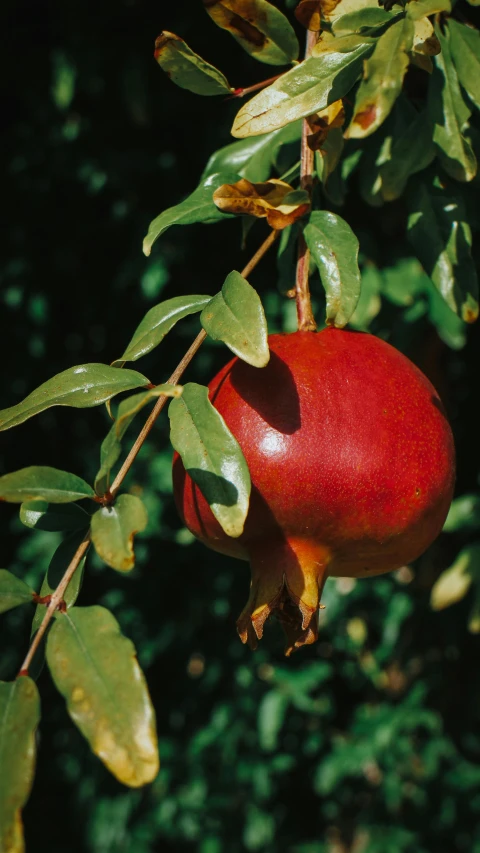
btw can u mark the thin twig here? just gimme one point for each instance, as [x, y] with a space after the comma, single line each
[305, 319]
[57, 596]
[55, 600]
[240, 93]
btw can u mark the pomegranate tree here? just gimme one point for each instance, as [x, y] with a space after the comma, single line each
[352, 465]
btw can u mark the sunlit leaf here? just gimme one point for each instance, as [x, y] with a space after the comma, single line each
[450, 115]
[310, 86]
[274, 199]
[442, 239]
[361, 20]
[212, 456]
[158, 321]
[417, 9]
[236, 317]
[465, 50]
[40, 515]
[82, 386]
[43, 483]
[187, 69]
[454, 583]
[13, 591]
[113, 529]
[197, 207]
[58, 564]
[254, 157]
[383, 79]
[111, 445]
[334, 249]
[19, 717]
[259, 27]
[95, 668]
[411, 152]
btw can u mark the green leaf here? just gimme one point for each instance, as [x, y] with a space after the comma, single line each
[236, 317]
[39, 515]
[253, 158]
[81, 387]
[465, 51]
[310, 86]
[383, 79]
[113, 529]
[187, 69]
[260, 28]
[158, 322]
[454, 583]
[411, 152]
[271, 715]
[464, 514]
[58, 564]
[212, 456]
[13, 591]
[95, 668]
[442, 239]
[450, 114]
[417, 9]
[197, 207]
[47, 484]
[19, 717]
[111, 445]
[363, 19]
[334, 249]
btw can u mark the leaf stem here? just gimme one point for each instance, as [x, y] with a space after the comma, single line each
[240, 93]
[57, 596]
[55, 601]
[305, 319]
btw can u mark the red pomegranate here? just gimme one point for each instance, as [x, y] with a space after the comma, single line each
[352, 466]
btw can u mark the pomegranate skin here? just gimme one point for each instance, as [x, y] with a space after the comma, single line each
[352, 465]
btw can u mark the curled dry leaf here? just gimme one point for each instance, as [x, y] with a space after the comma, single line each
[273, 199]
[309, 14]
[322, 122]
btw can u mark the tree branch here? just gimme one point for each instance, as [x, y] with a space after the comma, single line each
[57, 596]
[305, 319]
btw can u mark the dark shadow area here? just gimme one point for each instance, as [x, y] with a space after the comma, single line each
[280, 410]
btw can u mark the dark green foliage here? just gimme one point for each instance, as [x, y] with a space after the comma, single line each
[367, 742]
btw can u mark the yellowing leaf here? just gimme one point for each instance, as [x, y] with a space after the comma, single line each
[19, 716]
[383, 79]
[454, 583]
[274, 199]
[309, 13]
[96, 669]
[424, 38]
[324, 121]
[187, 69]
[422, 8]
[260, 28]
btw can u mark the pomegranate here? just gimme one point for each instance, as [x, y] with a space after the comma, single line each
[352, 465]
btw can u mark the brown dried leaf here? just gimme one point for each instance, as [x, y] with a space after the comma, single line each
[309, 14]
[322, 122]
[274, 199]
[258, 26]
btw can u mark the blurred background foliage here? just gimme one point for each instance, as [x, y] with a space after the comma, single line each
[367, 742]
